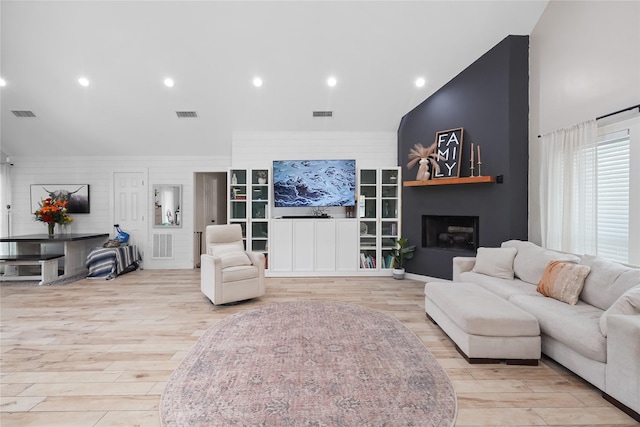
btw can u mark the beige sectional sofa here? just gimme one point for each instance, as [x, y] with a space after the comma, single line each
[598, 338]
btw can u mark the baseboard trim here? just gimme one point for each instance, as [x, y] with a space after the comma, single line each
[624, 408]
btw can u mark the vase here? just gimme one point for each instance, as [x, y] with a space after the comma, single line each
[51, 227]
[397, 273]
[423, 170]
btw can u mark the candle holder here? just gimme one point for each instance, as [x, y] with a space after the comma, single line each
[479, 168]
[471, 167]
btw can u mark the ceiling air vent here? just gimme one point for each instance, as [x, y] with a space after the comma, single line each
[187, 114]
[19, 113]
[323, 114]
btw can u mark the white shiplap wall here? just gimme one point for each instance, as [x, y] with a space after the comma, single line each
[260, 149]
[98, 173]
[250, 150]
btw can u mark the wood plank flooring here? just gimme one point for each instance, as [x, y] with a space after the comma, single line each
[98, 353]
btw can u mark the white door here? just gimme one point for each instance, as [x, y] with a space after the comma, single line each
[130, 196]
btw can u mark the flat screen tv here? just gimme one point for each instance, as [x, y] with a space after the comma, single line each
[317, 183]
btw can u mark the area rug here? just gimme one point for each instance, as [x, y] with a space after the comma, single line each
[309, 363]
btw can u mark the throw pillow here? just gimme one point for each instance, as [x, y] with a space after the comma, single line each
[628, 303]
[230, 255]
[607, 281]
[234, 259]
[496, 262]
[563, 281]
[531, 260]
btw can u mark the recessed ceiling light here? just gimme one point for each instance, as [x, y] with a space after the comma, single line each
[420, 82]
[2, 83]
[168, 82]
[257, 82]
[331, 81]
[83, 81]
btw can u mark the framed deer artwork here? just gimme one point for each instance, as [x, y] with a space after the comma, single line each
[76, 195]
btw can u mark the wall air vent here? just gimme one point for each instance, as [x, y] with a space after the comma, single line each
[20, 113]
[187, 114]
[323, 114]
[162, 246]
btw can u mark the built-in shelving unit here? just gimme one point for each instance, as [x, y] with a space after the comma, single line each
[249, 206]
[259, 215]
[237, 199]
[378, 217]
[452, 181]
[329, 246]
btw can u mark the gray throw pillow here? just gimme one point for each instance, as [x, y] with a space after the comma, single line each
[496, 262]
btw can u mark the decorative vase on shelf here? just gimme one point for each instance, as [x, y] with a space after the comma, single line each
[50, 228]
[262, 181]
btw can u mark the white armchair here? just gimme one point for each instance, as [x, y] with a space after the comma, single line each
[228, 273]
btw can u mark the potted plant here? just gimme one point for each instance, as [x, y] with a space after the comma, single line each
[401, 253]
[262, 177]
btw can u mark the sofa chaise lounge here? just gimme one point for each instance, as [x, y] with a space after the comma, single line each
[589, 319]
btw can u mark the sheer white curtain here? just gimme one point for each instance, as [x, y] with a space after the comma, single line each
[567, 189]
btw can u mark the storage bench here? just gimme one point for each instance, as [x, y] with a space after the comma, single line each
[48, 266]
[484, 327]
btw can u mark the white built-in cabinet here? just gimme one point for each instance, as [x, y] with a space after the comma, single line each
[378, 213]
[320, 246]
[326, 246]
[249, 205]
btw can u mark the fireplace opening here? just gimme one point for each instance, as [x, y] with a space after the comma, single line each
[456, 233]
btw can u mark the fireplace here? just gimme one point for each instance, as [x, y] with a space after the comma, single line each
[454, 233]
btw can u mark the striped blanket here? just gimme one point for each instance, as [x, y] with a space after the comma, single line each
[108, 263]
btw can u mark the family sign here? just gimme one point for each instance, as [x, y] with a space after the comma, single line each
[448, 152]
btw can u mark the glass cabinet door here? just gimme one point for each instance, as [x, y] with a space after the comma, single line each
[238, 194]
[259, 215]
[248, 205]
[367, 218]
[389, 215]
[378, 216]
[237, 200]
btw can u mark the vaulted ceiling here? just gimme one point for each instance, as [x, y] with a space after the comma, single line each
[213, 50]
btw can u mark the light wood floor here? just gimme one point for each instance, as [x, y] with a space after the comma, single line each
[98, 353]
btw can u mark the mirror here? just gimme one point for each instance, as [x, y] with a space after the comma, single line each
[167, 205]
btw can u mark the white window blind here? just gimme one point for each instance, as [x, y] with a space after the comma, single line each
[612, 189]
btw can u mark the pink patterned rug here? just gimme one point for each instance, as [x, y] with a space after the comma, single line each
[309, 363]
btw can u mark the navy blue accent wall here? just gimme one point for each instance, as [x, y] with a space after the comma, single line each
[490, 100]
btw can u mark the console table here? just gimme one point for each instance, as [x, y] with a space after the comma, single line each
[76, 247]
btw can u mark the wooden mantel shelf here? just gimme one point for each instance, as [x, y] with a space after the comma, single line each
[452, 181]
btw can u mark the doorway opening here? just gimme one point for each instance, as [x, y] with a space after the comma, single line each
[210, 207]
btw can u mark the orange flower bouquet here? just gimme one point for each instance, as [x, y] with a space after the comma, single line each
[52, 212]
